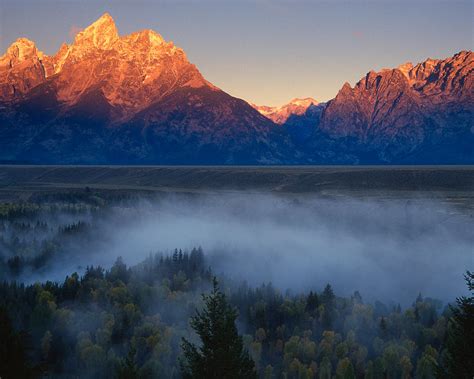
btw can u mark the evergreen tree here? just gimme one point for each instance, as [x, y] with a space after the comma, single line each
[369, 371]
[222, 354]
[325, 371]
[327, 298]
[128, 369]
[357, 298]
[345, 370]
[312, 302]
[460, 344]
[119, 271]
[13, 353]
[383, 328]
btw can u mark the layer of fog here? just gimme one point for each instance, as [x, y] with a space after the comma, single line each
[388, 250]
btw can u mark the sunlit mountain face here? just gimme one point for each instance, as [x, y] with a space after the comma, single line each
[134, 99]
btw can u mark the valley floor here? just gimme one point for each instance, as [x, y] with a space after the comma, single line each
[452, 184]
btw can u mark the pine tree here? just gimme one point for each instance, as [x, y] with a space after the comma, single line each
[460, 344]
[345, 370]
[325, 372]
[327, 298]
[383, 328]
[13, 352]
[128, 369]
[312, 301]
[221, 354]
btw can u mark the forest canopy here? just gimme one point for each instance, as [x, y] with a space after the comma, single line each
[130, 321]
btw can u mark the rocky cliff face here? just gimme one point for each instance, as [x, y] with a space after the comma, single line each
[401, 112]
[106, 92]
[279, 115]
[108, 98]
[21, 70]
[131, 71]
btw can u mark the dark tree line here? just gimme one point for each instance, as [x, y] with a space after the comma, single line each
[130, 322]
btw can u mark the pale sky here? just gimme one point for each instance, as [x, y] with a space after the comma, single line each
[265, 51]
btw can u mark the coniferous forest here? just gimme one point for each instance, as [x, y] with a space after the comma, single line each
[236, 189]
[172, 315]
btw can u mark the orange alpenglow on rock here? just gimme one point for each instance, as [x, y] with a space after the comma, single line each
[405, 105]
[20, 69]
[108, 98]
[130, 71]
[280, 115]
[102, 34]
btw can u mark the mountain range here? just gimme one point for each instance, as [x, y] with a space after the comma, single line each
[136, 99]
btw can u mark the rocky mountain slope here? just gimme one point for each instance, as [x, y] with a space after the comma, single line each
[134, 99]
[410, 113]
[299, 118]
[110, 98]
[279, 115]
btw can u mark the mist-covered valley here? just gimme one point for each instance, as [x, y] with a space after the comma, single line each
[322, 285]
[388, 249]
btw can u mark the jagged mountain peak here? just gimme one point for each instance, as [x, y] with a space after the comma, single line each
[131, 72]
[444, 77]
[396, 110]
[463, 55]
[405, 69]
[126, 98]
[280, 114]
[147, 36]
[106, 18]
[346, 86]
[102, 33]
[307, 101]
[20, 69]
[20, 44]
[19, 51]
[136, 98]
[150, 42]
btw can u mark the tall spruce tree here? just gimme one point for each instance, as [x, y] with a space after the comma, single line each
[221, 354]
[328, 298]
[459, 361]
[13, 352]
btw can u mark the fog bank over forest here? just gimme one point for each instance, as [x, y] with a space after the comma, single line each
[388, 250]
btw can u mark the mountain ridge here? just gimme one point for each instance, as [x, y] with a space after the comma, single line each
[280, 114]
[100, 93]
[107, 98]
[397, 110]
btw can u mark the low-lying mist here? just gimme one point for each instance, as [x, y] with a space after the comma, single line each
[386, 249]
